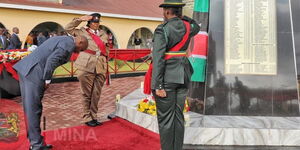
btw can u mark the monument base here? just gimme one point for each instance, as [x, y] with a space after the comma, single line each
[220, 130]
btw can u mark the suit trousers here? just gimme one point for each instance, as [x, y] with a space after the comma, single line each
[91, 86]
[170, 116]
[32, 94]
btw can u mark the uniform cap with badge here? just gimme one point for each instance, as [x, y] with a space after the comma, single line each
[95, 19]
[172, 3]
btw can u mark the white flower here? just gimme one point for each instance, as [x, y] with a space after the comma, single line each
[32, 48]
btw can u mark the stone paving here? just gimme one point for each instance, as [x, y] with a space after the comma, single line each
[63, 107]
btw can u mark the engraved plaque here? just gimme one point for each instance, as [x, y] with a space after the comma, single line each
[250, 37]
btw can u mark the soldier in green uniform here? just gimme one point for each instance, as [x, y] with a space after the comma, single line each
[171, 72]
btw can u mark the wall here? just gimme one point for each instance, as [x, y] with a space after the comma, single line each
[188, 8]
[26, 20]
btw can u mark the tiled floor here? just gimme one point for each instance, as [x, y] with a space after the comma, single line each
[191, 147]
[63, 107]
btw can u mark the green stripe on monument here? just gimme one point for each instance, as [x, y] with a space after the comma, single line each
[201, 5]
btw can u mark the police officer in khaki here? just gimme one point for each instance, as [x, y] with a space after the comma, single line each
[171, 72]
[91, 64]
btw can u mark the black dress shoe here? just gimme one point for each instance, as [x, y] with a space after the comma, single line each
[97, 122]
[45, 147]
[91, 123]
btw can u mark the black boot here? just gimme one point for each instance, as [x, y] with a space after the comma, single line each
[97, 122]
[45, 147]
[91, 123]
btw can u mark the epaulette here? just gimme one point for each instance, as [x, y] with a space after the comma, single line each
[163, 24]
[162, 27]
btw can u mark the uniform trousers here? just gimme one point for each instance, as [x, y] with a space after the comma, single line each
[170, 116]
[91, 86]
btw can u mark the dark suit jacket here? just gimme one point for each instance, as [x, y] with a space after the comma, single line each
[5, 44]
[41, 40]
[40, 64]
[15, 42]
[166, 36]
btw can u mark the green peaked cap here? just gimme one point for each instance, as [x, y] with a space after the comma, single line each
[172, 3]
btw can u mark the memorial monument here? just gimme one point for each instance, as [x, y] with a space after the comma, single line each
[251, 60]
[251, 90]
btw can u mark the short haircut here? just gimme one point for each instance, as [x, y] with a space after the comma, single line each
[15, 28]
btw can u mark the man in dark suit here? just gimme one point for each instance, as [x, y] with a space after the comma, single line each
[171, 72]
[35, 72]
[15, 42]
[3, 40]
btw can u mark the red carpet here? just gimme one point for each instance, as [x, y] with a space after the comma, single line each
[7, 108]
[116, 134]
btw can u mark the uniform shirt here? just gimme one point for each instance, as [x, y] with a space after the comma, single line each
[166, 36]
[85, 61]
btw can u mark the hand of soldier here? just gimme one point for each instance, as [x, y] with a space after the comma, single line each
[161, 93]
[86, 18]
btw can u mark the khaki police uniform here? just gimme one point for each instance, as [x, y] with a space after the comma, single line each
[91, 70]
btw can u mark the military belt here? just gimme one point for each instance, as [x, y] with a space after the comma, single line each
[174, 54]
[96, 53]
